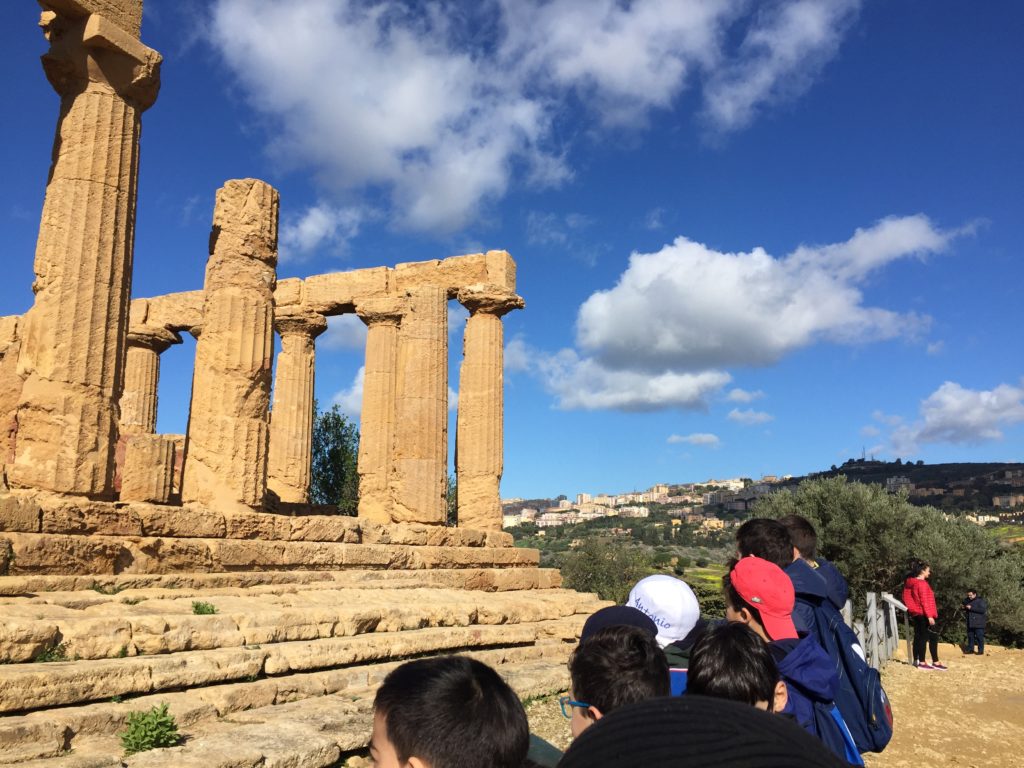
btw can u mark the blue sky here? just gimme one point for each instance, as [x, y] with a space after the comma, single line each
[752, 237]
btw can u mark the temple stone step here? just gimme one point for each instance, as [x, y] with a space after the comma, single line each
[259, 724]
[53, 732]
[75, 589]
[164, 621]
[32, 512]
[25, 687]
[36, 553]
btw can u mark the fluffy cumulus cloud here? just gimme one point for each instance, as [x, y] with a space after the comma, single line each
[955, 414]
[690, 307]
[350, 399]
[737, 395]
[343, 332]
[442, 106]
[696, 438]
[321, 227]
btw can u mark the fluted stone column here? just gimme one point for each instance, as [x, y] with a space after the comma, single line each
[291, 419]
[420, 445]
[72, 354]
[479, 440]
[383, 316]
[142, 379]
[228, 429]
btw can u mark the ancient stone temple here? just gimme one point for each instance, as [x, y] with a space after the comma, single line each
[190, 569]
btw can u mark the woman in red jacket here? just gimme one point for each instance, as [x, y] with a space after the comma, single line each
[920, 602]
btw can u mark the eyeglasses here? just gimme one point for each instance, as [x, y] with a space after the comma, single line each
[567, 703]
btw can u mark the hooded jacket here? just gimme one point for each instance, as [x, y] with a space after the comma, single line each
[811, 590]
[977, 612]
[919, 598]
[836, 585]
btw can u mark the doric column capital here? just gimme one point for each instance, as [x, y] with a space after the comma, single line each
[489, 299]
[153, 337]
[381, 310]
[91, 48]
[294, 321]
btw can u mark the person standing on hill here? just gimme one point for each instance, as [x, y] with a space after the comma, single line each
[920, 602]
[976, 609]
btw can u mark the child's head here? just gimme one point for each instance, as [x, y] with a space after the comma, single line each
[447, 712]
[669, 602]
[760, 595]
[615, 666]
[802, 534]
[731, 661]
[767, 539]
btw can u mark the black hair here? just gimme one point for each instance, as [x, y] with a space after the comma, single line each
[453, 712]
[767, 539]
[734, 598]
[915, 567]
[731, 661]
[616, 666]
[801, 534]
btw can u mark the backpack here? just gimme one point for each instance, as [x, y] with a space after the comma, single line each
[860, 697]
[834, 733]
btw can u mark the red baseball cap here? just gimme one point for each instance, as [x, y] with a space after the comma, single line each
[768, 589]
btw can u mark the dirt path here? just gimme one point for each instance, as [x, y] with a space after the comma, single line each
[971, 716]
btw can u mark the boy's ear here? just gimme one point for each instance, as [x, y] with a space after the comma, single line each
[781, 697]
[595, 713]
[415, 762]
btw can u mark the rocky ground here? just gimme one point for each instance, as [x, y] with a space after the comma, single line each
[970, 716]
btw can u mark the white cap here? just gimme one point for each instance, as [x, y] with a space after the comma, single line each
[670, 603]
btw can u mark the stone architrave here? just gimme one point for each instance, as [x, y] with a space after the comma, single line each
[227, 443]
[291, 418]
[479, 434]
[420, 444]
[72, 351]
[142, 378]
[383, 317]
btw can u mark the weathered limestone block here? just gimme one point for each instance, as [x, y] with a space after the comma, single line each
[23, 639]
[383, 317]
[20, 512]
[73, 337]
[453, 273]
[479, 436]
[227, 444]
[325, 528]
[8, 333]
[142, 378]
[193, 521]
[337, 292]
[74, 516]
[49, 553]
[174, 311]
[10, 392]
[420, 441]
[97, 638]
[148, 471]
[291, 420]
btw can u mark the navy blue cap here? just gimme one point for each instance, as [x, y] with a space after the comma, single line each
[618, 616]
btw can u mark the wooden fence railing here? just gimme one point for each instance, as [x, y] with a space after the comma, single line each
[879, 632]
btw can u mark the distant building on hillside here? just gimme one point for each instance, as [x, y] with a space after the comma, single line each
[898, 483]
[634, 511]
[1008, 501]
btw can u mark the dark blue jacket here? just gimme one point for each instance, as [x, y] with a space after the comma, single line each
[838, 591]
[977, 612]
[811, 589]
[812, 684]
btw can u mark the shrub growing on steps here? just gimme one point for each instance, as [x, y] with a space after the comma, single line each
[153, 729]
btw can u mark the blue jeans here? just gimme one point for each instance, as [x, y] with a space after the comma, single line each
[976, 636]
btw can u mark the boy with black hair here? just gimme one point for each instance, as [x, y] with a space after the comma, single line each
[805, 540]
[730, 661]
[447, 712]
[760, 595]
[616, 666]
[976, 611]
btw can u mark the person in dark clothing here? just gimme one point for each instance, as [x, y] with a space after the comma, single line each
[805, 539]
[976, 610]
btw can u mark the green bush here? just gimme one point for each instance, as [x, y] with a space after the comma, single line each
[54, 653]
[153, 729]
[201, 608]
[608, 568]
[871, 536]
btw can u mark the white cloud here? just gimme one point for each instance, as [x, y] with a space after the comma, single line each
[321, 227]
[519, 356]
[443, 106]
[343, 332]
[749, 417]
[350, 399]
[457, 316]
[553, 229]
[690, 307]
[586, 384]
[782, 53]
[737, 395]
[870, 430]
[954, 414]
[654, 218]
[453, 400]
[935, 347]
[697, 438]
